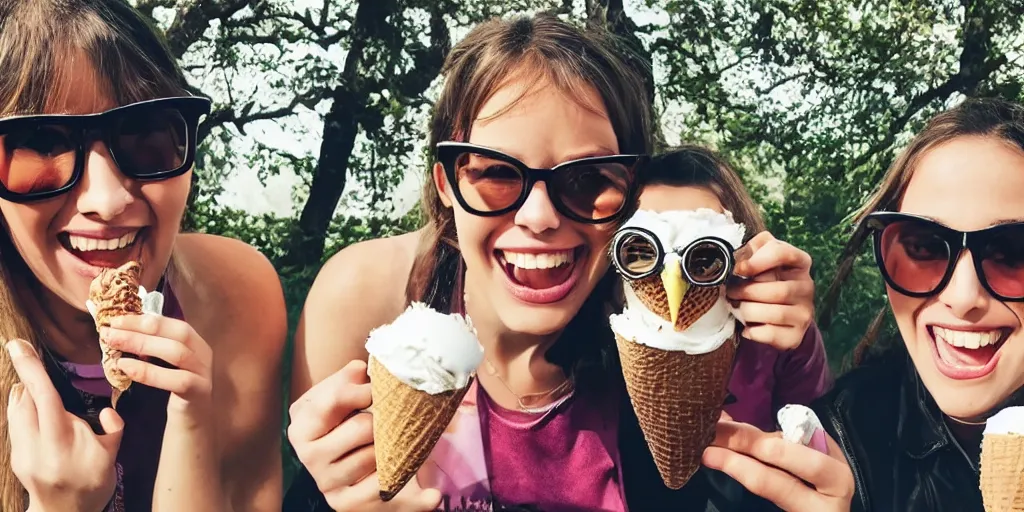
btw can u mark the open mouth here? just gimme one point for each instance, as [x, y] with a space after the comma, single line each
[541, 277]
[967, 354]
[103, 252]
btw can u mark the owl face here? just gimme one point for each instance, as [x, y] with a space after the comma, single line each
[669, 257]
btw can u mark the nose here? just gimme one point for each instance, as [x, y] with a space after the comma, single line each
[538, 214]
[104, 191]
[964, 293]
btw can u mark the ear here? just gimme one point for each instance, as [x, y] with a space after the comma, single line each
[441, 182]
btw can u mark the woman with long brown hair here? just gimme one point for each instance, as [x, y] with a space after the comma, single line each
[948, 232]
[97, 145]
[536, 143]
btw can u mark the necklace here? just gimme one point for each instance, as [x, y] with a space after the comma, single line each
[521, 399]
[493, 371]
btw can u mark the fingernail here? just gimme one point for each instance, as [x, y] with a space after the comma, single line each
[20, 348]
[818, 441]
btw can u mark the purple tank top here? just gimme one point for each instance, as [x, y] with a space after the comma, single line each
[85, 392]
[561, 460]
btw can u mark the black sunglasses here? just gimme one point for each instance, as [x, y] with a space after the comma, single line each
[917, 255]
[489, 183]
[44, 156]
[637, 253]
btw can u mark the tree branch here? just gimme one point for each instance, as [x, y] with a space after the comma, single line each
[190, 22]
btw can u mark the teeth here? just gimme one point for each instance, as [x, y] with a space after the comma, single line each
[84, 244]
[967, 339]
[538, 260]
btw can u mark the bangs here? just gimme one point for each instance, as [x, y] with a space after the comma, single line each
[46, 59]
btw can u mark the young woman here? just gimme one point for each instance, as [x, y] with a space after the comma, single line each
[522, 250]
[98, 139]
[765, 377]
[949, 241]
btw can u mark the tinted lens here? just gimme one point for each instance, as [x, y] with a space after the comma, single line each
[487, 184]
[1003, 261]
[706, 263]
[636, 254]
[37, 158]
[593, 191]
[914, 255]
[151, 142]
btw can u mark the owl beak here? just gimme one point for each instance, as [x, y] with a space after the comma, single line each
[675, 285]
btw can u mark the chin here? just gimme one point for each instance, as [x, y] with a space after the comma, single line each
[537, 321]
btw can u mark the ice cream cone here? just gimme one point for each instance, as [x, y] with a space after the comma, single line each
[677, 398]
[1002, 472]
[696, 302]
[114, 293]
[407, 423]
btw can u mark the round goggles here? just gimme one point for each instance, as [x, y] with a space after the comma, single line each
[637, 253]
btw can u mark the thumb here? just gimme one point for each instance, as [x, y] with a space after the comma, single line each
[427, 499]
[113, 429]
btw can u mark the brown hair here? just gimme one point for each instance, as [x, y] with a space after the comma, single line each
[40, 41]
[696, 166]
[989, 117]
[541, 47]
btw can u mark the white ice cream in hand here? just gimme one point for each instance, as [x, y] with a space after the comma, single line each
[1009, 421]
[798, 423]
[427, 350]
[675, 230]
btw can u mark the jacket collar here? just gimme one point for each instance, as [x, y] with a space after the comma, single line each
[921, 429]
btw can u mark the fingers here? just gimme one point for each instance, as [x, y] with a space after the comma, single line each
[180, 382]
[769, 254]
[772, 484]
[365, 496]
[780, 337]
[21, 416]
[336, 446]
[349, 470]
[46, 401]
[170, 350]
[825, 473]
[792, 292]
[328, 402]
[775, 314]
[163, 327]
[113, 428]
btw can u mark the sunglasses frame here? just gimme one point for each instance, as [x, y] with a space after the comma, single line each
[449, 152]
[877, 222]
[83, 130]
[619, 239]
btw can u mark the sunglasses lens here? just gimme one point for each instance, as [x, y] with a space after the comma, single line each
[636, 254]
[36, 158]
[915, 256]
[487, 184]
[151, 142]
[707, 263]
[593, 191]
[1003, 262]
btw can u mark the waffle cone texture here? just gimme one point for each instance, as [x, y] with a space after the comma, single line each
[1002, 472]
[115, 292]
[407, 423]
[677, 397]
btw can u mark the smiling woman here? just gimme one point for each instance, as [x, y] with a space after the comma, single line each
[949, 242]
[97, 145]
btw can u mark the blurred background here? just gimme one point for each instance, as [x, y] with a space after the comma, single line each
[320, 107]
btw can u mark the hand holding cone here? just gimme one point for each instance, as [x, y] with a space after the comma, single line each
[420, 368]
[114, 293]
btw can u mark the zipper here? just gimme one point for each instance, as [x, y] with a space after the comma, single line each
[858, 480]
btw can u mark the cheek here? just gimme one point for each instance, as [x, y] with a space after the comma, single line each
[905, 310]
[168, 199]
[28, 225]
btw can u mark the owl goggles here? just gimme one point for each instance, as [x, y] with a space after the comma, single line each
[637, 253]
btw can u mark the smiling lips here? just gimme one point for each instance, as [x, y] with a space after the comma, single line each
[540, 277]
[963, 355]
[101, 250]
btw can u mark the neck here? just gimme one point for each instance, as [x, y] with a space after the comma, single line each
[515, 367]
[65, 330]
[968, 435]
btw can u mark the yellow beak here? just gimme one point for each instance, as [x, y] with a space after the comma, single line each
[675, 285]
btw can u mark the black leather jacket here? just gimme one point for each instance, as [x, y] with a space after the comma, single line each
[903, 455]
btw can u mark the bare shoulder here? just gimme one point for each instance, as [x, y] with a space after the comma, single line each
[358, 289]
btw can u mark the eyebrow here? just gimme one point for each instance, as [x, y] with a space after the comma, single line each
[595, 151]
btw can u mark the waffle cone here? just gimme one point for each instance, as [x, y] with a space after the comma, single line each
[677, 398]
[697, 301]
[407, 423]
[115, 292]
[1002, 472]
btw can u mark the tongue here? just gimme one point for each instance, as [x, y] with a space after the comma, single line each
[541, 278]
[964, 357]
[104, 259]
